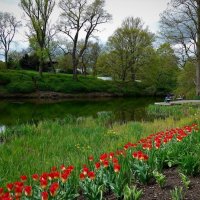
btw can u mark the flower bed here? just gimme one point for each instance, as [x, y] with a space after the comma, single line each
[115, 172]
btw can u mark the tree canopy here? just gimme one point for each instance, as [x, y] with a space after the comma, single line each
[79, 16]
[38, 12]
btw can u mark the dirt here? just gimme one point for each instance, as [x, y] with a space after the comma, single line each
[154, 192]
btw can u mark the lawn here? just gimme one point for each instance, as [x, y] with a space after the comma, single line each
[23, 81]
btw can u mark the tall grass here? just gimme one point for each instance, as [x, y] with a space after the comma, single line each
[175, 111]
[29, 149]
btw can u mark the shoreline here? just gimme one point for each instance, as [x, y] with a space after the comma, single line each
[57, 95]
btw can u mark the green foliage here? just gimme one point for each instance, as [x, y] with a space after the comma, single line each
[23, 87]
[176, 111]
[131, 193]
[91, 189]
[4, 80]
[142, 171]
[177, 193]
[160, 178]
[159, 73]
[186, 80]
[28, 81]
[2, 65]
[185, 180]
[127, 49]
[65, 63]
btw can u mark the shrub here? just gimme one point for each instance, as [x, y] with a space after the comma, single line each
[21, 87]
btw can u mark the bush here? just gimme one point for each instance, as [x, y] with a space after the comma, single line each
[4, 80]
[21, 87]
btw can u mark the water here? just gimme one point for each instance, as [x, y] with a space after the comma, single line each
[21, 111]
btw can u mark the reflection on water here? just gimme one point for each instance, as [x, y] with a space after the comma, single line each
[124, 109]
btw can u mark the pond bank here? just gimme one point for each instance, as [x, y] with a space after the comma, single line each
[57, 95]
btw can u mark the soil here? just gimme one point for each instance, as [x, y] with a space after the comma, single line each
[152, 191]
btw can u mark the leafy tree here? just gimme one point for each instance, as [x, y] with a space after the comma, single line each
[29, 62]
[89, 57]
[65, 63]
[180, 25]
[159, 73]
[8, 27]
[105, 65]
[127, 47]
[14, 59]
[186, 80]
[80, 17]
[39, 12]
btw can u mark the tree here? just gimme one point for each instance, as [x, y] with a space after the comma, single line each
[29, 62]
[127, 47]
[89, 57]
[8, 27]
[51, 46]
[39, 12]
[186, 80]
[80, 17]
[180, 25]
[14, 59]
[159, 73]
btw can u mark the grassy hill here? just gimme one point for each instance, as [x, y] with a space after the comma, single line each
[21, 81]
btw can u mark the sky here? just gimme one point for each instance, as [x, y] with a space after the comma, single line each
[147, 10]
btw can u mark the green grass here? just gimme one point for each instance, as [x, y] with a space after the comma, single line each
[175, 111]
[29, 149]
[21, 81]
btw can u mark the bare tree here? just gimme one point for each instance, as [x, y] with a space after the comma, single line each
[79, 17]
[39, 12]
[8, 27]
[180, 25]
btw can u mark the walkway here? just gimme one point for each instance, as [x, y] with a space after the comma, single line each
[178, 102]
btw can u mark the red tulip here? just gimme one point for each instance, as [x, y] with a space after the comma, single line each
[28, 190]
[82, 176]
[9, 186]
[35, 177]
[97, 165]
[53, 189]
[23, 178]
[116, 168]
[91, 158]
[91, 175]
[44, 195]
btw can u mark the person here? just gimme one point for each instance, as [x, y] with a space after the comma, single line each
[167, 99]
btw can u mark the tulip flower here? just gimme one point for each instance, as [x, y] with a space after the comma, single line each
[44, 195]
[28, 190]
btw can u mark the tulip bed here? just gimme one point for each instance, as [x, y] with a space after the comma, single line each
[115, 173]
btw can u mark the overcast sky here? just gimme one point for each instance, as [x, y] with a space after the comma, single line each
[148, 10]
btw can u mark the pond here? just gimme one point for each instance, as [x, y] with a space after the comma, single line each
[23, 111]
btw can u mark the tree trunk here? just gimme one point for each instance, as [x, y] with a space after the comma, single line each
[84, 70]
[40, 69]
[75, 64]
[51, 64]
[198, 52]
[41, 59]
[6, 59]
[94, 71]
